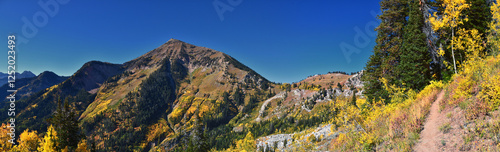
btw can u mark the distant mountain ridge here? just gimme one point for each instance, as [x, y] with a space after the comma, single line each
[25, 74]
[28, 86]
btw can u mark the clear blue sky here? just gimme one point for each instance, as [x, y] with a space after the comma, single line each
[283, 40]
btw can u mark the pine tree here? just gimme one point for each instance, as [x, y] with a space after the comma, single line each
[386, 54]
[225, 101]
[198, 140]
[65, 122]
[415, 58]
[373, 87]
[238, 96]
[479, 16]
[494, 30]
[353, 100]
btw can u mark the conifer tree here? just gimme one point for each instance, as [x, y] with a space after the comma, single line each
[386, 53]
[65, 122]
[479, 16]
[415, 58]
[494, 29]
[238, 96]
[353, 100]
[198, 140]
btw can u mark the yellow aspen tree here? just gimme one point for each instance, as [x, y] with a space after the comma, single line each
[469, 40]
[48, 144]
[5, 145]
[451, 17]
[28, 141]
[82, 146]
[65, 149]
[247, 143]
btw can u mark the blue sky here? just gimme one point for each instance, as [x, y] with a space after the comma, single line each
[283, 40]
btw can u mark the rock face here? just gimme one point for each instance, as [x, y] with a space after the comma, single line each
[268, 142]
[296, 140]
[354, 82]
[306, 99]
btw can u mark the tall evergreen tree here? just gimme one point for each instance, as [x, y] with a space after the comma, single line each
[479, 16]
[386, 54]
[65, 122]
[415, 58]
[238, 96]
[198, 140]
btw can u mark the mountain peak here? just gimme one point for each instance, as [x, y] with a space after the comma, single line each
[48, 74]
[172, 40]
[27, 73]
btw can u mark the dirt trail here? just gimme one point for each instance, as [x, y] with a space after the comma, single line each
[263, 108]
[431, 136]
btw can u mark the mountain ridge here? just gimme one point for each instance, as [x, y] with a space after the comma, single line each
[24, 74]
[178, 86]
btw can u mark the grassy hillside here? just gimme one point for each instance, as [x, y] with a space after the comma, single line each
[469, 103]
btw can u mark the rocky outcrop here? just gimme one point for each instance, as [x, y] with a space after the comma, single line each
[288, 142]
[354, 82]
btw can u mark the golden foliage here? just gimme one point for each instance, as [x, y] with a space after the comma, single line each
[491, 92]
[451, 17]
[28, 141]
[157, 129]
[396, 123]
[5, 145]
[246, 144]
[82, 146]
[48, 144]
[477, 86]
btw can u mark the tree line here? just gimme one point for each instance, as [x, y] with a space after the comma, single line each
[419, 41]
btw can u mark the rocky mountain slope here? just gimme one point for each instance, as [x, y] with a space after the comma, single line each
[170, 94]
[35, 109]
[115, 101]
[306, 98]
[27, 87]
[194, 80]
